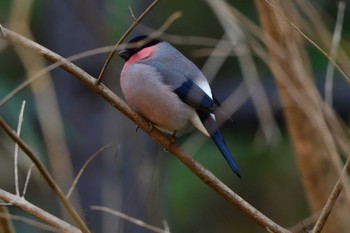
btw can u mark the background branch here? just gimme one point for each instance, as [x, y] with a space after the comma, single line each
[135, 23]
[46, 175]
[130, 219]
[316, 148]
[26, 206]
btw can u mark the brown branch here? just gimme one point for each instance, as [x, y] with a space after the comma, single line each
[133, 25]
[324, 53]
[316, 151]
[51, 67]
[327, 209]
[45, 174]
[41, 214]
[205, 175]
[130, 219]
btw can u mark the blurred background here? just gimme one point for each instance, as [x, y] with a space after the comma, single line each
[65, 123]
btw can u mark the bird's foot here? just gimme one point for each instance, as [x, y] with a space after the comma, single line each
[149, 128]
[172, 140]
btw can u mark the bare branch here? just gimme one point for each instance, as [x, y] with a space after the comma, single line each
[26, 206]
[84, 167]
[19, 127]
[45, 174]
[135, 23]
[53, 66]
[130, 219]
[330, 59]
[248, 67]
[205, 175]
[327, 209]
[27, 180]
[333, 53]
[132, 13]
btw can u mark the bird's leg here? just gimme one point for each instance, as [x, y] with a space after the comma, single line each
[149, 128]
[172, 140]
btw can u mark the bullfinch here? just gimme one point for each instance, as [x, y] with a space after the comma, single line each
[165, 87]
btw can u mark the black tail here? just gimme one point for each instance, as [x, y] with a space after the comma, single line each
[219, 141]
[210, 125]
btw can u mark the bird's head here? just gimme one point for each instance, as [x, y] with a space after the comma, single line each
[137, 44]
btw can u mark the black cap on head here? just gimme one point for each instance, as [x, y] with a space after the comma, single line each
[128, 52]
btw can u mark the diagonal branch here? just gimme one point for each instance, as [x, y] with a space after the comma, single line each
[205, 175]
[135, 23]
[83, 168]
[45, 174]
[28, 207]
[327, 209]
[133, 220]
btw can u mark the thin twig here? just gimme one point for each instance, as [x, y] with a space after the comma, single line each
[41, 214]
[327, 209]
[317, 118]
[333, 53]
[133, 25]
[51, 67]
[132, 13]
[306, 223]
[130, 219]
[71, 189]
[248, 67]
[205, 175]
[19, 127]
[27, 180]
[45, 174]
[341, 71]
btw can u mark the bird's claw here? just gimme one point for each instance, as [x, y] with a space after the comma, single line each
[172, 140]
[150, 127]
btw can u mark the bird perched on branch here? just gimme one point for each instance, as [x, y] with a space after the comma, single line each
[162, 85]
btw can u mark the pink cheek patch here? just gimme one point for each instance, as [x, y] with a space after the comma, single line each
[141, 55]
[137, 57]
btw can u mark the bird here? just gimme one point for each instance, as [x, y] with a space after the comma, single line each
[170, 91]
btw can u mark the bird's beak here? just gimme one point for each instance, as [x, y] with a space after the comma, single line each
[125, 54]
